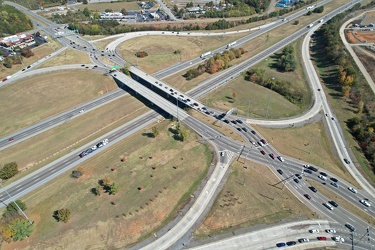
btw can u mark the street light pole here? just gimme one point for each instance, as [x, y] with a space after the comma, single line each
[17, 205]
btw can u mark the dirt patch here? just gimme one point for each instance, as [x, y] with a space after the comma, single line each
[358, 36]
[367, 57]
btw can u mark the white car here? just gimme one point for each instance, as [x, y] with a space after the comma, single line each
[322, 177]
[331, 231]
[366, 203]
[280, 158]
[314, 231]
[352, 190]
[338, 238]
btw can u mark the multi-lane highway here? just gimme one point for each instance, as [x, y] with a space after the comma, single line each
[290, 167]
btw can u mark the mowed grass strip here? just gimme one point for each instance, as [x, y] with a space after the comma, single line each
[308, 143]
[161, 53]
[42, 149]
[248, 199]
[39, 53]
[69, 56]
[35, 98]
[177, 165]
[330, 195]
[115, 6]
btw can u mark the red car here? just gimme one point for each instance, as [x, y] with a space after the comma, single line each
[307, 196]
[11, 139]
[4, 79]
[272, 156]
[263, 153]
[263, 141]
[322, 238]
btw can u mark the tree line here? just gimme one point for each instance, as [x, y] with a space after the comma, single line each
[216, 63]
[13, 21]
[351, 83]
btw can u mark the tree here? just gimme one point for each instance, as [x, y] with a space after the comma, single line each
[21, 229]
[124, 12]
[63, 215]
[13, 207]
[113, 188]
[76, 174]
[155, 131]
[8, 63]
[182, 132]
[296, 22]
[86, 12]
[9, 170]
[106, 181]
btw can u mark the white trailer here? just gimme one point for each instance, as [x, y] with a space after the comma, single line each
[321, 20]
[231, 45]
[206, 54]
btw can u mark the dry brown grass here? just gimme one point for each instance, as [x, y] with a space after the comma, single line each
[33, 99]
[95, 222]
[342, 202]
[368, 60]
[115, 6]
[248, 199]
[298, 142]
[161, 49]
[69, 56]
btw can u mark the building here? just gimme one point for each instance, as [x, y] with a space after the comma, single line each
[19, 40]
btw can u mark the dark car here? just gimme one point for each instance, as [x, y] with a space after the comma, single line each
[263, 153]
[351, 228]
[296, 180]
[11, 139]
[83, 154]
[281, 244]
[272, 156]
[313, 168]
[280, 171]
[263, 141]
[234, 122]
[204, 108]
[253, 132]
[313, 189]
[245, 129]
[239, 121]
[307, 196]
[322, 173]
[196, 104]
[239, 129]
[334, 179]
[346, 161]
[291, 243]
[99, 145]
[226, 121]
[298, 176]
[322, 238]
[23, 69]
[308, 171]
[28, 67]
[333, 203]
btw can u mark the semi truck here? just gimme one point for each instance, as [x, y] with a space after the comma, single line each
[231, 44]
[206, 54]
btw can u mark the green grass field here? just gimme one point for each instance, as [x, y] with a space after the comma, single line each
[179, 167]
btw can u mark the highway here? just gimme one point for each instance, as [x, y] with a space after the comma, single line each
[25, 185]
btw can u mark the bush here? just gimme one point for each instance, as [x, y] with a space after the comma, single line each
[63, 215]
[141, 54]
[9, 170]
[76, 174]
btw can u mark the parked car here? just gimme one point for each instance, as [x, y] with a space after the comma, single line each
[314, 231]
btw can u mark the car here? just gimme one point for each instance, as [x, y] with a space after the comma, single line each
[89, 151]
[324, 174]
[226, 121]
[346, 161]
[260, 143]
[263, 141]
[281, 244]
[234, 122]
[313, 189]
[4, 79]
[11, 139]
[321, 238]
[239, 121]
[253, 132]
[335, 184]
[331, 231]
[280, 171]
[333, 118]
[314, 231]
[245, 129]
[366, 203]
[188, 100]
[291, 243]
[207, 113]
[239, 129]
[82, 65]
[328, 206]
[350, 227]
[82, 110]
[298, 176]
[83, 154]
[338, 238]
[263, 153]
[280, 158]
[333, 203]
[296, 180]
[307, 196]
[253, 142]
[302, 240]
[28, 67]
[114, 75]
[312, 168]
[334, 179]
[23, 69]
[272, 156]
[308, 171]
[353, 190]
[196, 104]
[99, 145]
[322, 177]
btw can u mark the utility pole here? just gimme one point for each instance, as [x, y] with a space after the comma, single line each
[17, 205]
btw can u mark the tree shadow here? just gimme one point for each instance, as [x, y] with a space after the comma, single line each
[54, 215]
[149, 135]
